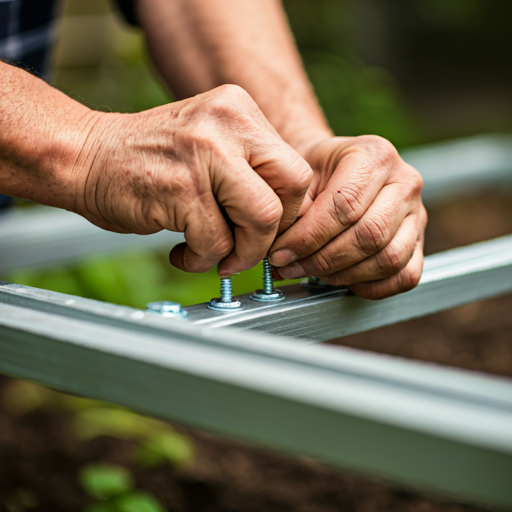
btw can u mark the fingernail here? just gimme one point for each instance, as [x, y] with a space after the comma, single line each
[293, 271]
[282, 257]
[276, 275]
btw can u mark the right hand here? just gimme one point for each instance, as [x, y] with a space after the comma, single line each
[210, 166]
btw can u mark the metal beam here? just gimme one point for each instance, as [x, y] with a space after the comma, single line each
[450, 279]
[421, 425]
[458, 167]
[42, 237]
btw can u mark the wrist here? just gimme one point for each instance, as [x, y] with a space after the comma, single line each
[41, 134]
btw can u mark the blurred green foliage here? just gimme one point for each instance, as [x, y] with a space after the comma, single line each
[114, 489]
[357, 98]
[155, 443]
[105, 481]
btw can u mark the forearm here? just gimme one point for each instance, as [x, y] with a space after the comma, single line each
[41, 133]
[200, 44]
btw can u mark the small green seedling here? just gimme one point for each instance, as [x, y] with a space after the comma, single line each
[113, 488]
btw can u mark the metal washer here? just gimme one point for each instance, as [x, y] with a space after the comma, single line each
[267, 297]
[218, 305]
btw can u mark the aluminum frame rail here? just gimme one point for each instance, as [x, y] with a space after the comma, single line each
[450, 279]
[421, 425]
[458, 167]
[42, 237]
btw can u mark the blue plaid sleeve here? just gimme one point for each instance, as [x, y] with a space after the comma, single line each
[26, 33]
[127, 9]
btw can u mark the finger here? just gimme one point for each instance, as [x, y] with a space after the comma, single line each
[208, 238]
[287, 173]
[386, 263]
[349, 193]
[374, 231]
[404, 281]
[255, 211]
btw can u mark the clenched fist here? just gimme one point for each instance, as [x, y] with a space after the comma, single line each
[210, 166]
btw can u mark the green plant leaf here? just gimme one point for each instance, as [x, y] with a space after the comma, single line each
[101, 507]
[105, 481]
[169, 447]
[138, 502]
[109, 421]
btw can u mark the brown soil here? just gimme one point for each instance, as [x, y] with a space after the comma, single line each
[39, 459]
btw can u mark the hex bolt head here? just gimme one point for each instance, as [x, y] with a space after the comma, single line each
[167, 308]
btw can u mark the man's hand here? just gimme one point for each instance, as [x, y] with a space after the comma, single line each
[210, 166]
[365, 227]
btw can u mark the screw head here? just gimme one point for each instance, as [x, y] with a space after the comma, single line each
[261, 296]
[219, 305]
[167, 308]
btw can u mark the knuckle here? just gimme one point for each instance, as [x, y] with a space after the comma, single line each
[372, 234]
[268, 218]
[409, 279]
[321, 263]
[348, 207]
[380, 148]
[221, 247]
[302, 176]
[229, 98]
[393, 257]
[221, 106]
[391, 260]
[423, 217]
[232, 90]
[417, 182]
[413, 182]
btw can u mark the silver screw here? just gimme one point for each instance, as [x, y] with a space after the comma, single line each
[226, 300]
[268, 293]
[167, 308]
[226, 289]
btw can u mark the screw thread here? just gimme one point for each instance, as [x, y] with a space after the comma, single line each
[268, 280]
[226, 289]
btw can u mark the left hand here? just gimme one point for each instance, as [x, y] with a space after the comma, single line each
[363, 223]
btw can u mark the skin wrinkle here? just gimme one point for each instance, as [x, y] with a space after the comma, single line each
[376, 243]
[350, 216]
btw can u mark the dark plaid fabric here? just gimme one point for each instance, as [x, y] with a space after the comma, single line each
[26, 34]
[5, 202]
[27, 29]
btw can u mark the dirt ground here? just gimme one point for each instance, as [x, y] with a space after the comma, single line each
[38, 457]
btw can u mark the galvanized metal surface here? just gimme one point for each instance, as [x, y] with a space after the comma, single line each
[440, 429]
[454, 168]
[450, 279]
[43, 236]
